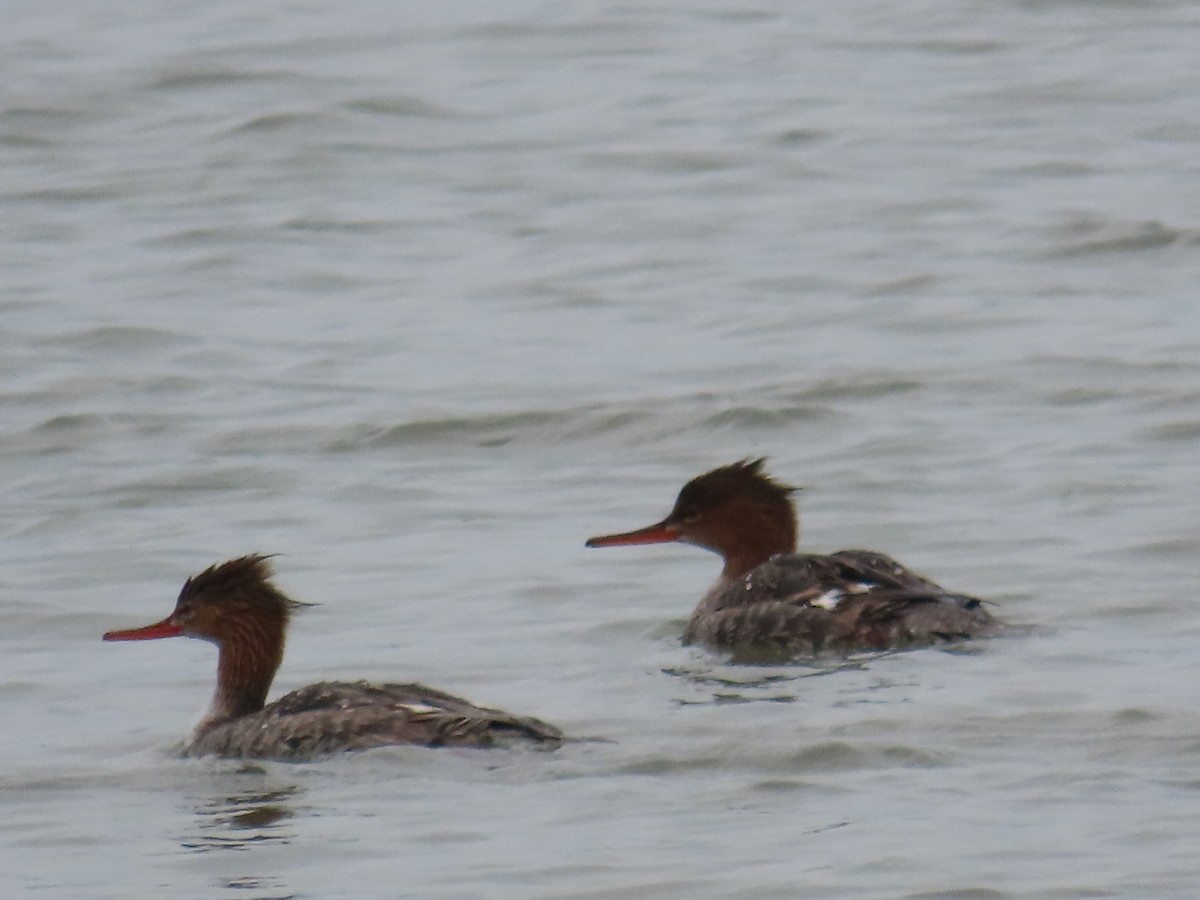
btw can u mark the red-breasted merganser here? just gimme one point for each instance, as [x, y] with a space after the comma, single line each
[769, 598]
[235, 606]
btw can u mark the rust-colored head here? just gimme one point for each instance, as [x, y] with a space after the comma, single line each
[737, 511]
[234, 599]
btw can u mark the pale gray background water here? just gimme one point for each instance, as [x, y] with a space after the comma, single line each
[423, 295]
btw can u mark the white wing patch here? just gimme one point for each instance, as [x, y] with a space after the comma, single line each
[420, 709]
[830, 599]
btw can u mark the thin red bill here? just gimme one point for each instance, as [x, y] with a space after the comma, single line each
[164, 629]
[653, 534]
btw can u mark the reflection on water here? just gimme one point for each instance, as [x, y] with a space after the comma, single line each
[246, 820]
[751, 685]
[258, 884]
[242, 820]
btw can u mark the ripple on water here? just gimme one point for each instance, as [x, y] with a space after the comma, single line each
[860, 385]
[819, 757]
[401, 105]
[483, 430]
[1090, 237]
[629, 421]
[638, 421]
[1170, 432]
[215, 482]
[122, 338]
[757, 417]
[200, 77]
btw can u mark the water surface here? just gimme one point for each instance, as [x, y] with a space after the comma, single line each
[421, 297]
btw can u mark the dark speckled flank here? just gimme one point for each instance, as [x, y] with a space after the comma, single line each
[806, 604]
[333, 716]
[771, 601]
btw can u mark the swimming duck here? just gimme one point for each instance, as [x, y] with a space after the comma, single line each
[769, 598]
[235, 606]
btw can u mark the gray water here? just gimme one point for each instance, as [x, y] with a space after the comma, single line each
[420, 296]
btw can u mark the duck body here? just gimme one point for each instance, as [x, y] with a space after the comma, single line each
[235, 606]
[333, 716]
[771, 600]
[851, 600]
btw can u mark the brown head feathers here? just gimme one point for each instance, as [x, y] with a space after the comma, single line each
[744, 478]
[245, 581]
